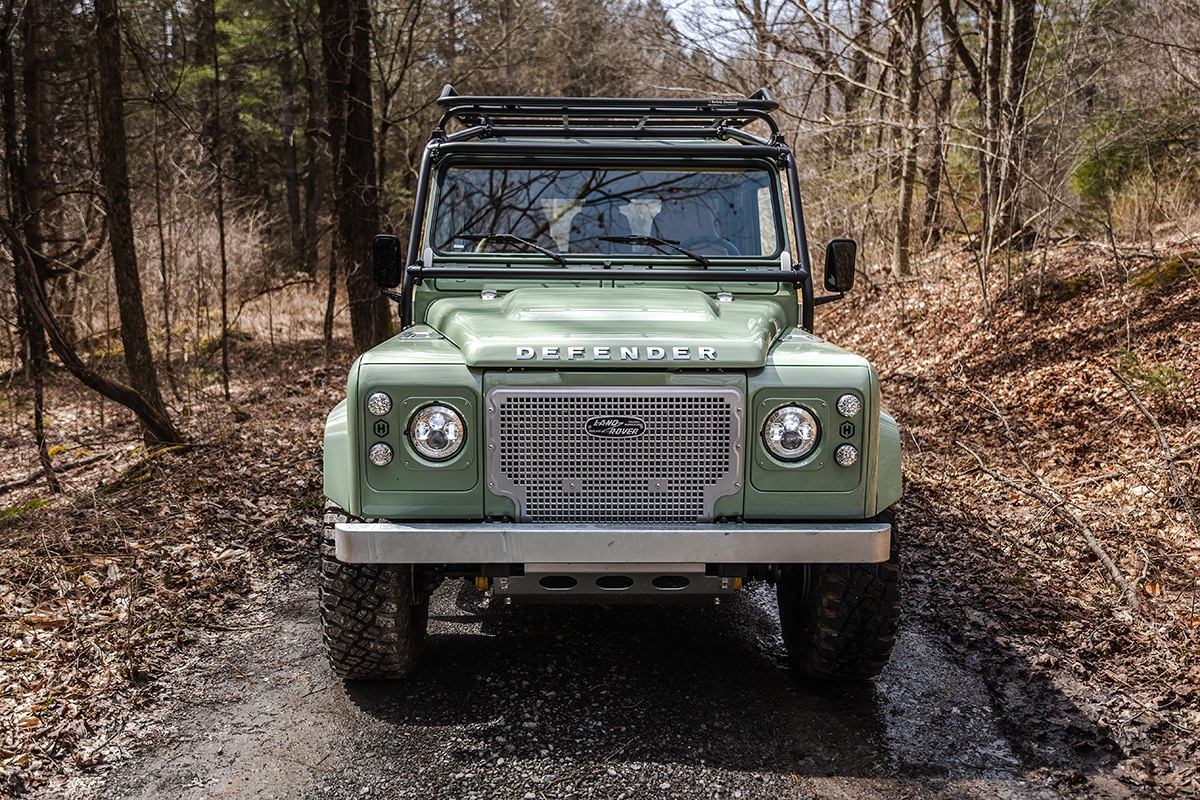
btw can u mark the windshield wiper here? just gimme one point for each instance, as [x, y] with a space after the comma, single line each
[658, 244]
[512, 237]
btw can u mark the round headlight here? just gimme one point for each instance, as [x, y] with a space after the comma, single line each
[848, 405]
[846, 455]
[380, 454]
[379, 404]
[437, 432]
[791, 433]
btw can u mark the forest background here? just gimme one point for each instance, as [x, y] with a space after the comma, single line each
[170, 169]
[188, 193]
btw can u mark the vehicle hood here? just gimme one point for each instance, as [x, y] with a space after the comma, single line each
[609, 328]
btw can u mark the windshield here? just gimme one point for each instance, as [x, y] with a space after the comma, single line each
[698, 213]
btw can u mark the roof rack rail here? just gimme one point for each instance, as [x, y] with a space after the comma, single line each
[484, 116]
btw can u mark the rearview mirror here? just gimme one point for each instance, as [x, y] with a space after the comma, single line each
[386, 256]
[840, 255]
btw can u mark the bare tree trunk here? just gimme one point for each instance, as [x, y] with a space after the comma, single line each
[164, 273]
[991, 44]
[157, 427]
[29, 198]
[349, 49]
[216, 124]
[335, 43]
[858, 55]
[8, 104]
[1021, 35]
[316, 171]
[931, 217]
[361, 290]
[756, 17]
[291, 174]
[206, 52]
[330, 305]
[914, 21]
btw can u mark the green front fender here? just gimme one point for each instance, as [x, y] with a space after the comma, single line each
[888, 487]
[339, 472]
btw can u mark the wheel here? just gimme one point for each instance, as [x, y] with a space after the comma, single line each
[373, 622]
[697, 242]
[839, 621]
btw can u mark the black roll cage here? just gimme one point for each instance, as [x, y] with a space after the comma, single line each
[487, 121]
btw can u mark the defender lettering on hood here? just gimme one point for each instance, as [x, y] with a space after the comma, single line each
[607, 353]
[614, 327]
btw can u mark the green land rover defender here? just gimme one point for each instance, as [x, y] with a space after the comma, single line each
[607, 388]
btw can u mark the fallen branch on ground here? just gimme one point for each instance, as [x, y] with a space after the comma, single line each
[1168, 454]
[38, 473]
[1059, 506]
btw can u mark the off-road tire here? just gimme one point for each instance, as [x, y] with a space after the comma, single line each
[839, 621]
[372, 627]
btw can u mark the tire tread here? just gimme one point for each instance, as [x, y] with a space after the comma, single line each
[371, 628]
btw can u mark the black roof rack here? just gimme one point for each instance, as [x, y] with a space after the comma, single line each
[488, 116]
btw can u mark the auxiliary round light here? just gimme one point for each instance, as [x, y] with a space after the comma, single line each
[846, 455]
[848, 405]
[379, 403]
[380, 454]
[791, 433]
[437, 432]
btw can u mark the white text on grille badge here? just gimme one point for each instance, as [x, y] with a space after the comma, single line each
[615, 427]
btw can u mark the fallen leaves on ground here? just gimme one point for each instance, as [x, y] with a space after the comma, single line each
[1032, 387]
[100, 587]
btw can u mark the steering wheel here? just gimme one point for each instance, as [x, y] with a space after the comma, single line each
[701, 241]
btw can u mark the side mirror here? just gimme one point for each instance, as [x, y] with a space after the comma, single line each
[840, 255]
[386, 257]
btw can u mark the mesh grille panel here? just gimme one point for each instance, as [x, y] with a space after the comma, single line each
[542, 454]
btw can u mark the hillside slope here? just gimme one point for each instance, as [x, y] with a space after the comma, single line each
[1050, 531]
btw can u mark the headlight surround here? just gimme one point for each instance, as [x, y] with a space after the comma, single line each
[791, 432]
[437, 432]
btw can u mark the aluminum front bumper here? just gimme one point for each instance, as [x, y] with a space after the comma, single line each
[520, 543]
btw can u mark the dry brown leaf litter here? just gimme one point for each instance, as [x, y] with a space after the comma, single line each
[99, 588]
[1033, 389]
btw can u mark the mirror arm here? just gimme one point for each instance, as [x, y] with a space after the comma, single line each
[828, 298]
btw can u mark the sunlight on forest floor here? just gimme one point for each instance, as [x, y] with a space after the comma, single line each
[100, 586]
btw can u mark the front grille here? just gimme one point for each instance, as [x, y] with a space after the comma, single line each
[675, 452]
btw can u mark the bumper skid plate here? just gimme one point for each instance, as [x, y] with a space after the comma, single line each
[521, 543]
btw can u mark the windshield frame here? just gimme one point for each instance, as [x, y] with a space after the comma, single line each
[563, 210]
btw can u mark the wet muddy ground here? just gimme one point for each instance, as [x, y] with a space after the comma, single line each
[562, 702]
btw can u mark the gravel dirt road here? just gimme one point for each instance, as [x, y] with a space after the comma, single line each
[559, 702]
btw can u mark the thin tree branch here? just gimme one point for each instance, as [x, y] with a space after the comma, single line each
[1059, 506]
[1168, 454]
[32, 477]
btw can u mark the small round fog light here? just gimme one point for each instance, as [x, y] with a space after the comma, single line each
[848, 405]
[846, 455]
[379, 403]
[380, 454]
